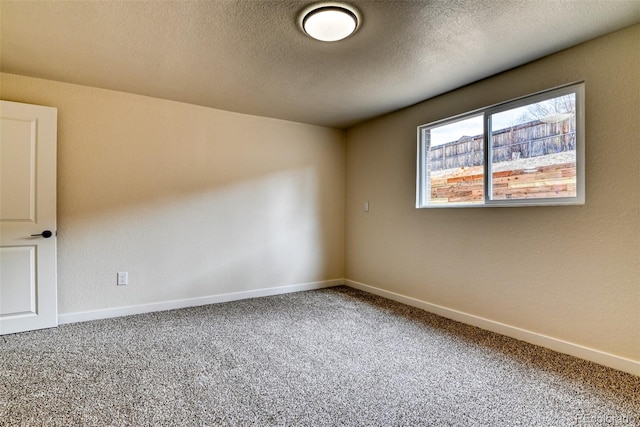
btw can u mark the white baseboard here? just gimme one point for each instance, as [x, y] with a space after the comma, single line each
[561, 346]
[191, 302]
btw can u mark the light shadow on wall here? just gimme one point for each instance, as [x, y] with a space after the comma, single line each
[257, 233]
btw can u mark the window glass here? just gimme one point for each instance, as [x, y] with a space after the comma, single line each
[454, 161]
[533, 150]
[527, 151]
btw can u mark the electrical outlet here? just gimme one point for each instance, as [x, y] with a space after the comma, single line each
[366, 206]
[123, 278]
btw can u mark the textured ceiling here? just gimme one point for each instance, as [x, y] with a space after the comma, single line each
[250, 56]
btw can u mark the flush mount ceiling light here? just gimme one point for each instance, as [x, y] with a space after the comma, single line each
[330, 22]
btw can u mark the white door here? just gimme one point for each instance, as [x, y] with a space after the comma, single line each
[28, 285]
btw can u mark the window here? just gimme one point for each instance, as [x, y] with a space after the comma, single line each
[528, 151]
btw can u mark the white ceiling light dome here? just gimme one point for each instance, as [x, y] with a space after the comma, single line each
[330, 22]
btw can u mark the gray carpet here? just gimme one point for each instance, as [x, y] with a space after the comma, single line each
[334, 357]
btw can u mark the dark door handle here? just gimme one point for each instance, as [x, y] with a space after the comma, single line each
[46, 234]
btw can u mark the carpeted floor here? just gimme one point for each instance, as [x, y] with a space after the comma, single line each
[333, 357]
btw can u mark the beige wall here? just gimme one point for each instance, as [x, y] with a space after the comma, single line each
[190, 201]
[571, 273]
